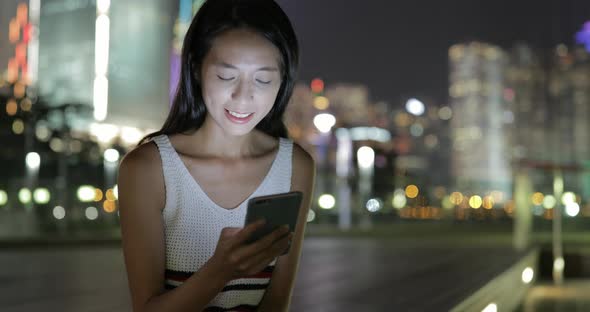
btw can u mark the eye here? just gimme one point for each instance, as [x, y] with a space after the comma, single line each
[263, 82]
[225, 79]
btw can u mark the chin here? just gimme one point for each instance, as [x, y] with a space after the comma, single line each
[239, 130]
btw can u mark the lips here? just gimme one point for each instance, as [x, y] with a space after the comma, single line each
[238, 120]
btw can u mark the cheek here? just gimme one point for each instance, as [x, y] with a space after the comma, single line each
[213, 94]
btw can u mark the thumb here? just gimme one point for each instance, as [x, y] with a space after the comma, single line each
[229, 231]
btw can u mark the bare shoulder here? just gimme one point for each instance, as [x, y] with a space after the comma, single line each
[303, 169]
[140, 171]
[302, 160]
[141, 157]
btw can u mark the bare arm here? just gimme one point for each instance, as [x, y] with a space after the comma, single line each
[141, 199]
[278, 295]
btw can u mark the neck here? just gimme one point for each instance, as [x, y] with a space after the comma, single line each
[214, 142]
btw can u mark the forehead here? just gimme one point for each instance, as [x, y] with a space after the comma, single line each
[243, 47]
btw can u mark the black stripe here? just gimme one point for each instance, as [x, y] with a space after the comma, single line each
[268, 269]
[241, 306]
[245, 287]
[169, 287]
[179, 273]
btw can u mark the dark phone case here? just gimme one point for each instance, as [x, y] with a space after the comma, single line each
[276, 209]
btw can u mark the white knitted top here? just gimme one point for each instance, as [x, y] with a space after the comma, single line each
[193, 223]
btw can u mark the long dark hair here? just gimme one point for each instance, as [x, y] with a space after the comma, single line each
[266, 17]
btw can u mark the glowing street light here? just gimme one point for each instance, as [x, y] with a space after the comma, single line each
[324, 122]
[415, 107]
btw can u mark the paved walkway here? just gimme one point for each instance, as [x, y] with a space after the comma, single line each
[336, 274]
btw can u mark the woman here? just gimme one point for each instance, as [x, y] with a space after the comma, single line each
[183, 192]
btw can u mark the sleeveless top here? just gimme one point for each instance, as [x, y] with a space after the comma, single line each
[193, 223]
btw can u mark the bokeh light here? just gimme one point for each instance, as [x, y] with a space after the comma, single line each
[412, 191]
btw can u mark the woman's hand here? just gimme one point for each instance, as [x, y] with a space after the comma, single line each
[235, 258]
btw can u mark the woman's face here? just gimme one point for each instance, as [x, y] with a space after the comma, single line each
[240, 80]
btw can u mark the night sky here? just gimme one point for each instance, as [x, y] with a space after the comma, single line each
[399, 48]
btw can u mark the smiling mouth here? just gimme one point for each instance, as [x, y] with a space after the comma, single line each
[239, 115]
[238, 118]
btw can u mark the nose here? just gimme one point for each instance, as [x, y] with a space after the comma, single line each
[243, 92]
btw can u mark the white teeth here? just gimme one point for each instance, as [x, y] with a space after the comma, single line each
[238, 114]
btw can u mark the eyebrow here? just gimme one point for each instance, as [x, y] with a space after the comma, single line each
[265, 68]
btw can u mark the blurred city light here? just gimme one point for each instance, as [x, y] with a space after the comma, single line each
[373, 205]
[324, 122]
[130, 135]
[456, 198]
[321, 102]
[100, 97]
[370, 133]
[109, 206]
[558, 266]
[105, 133]
[41, 196]
[111, 155]
[326, 201]
[26, 104]
[18, 127]
[3, 197]
[549, 201]
[527, 275]
[101, 60]
[583, 36]
[56, 145]
[445, 113]
[24, 195]
[538, 198]
[59, 212]
[399, 199]
[42, 132]
[492, 307]
[86, 193]
[488, 202]
[110, 195]
[365, 157]
[116, 191]
[416, 130]
[475, 201]
[310, 215]
[33, 160]
[91, 213]
[317, 85]
[412, 191]
[102, 6]
[98, 194]
[568, 197]
[11, 107]
[415, 107]
[447, 203]
[572, 209]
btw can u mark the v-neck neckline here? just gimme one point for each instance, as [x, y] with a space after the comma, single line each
[206, 196]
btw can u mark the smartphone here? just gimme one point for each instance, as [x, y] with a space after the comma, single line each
[276, 209]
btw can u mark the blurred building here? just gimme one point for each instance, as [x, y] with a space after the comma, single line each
[525, 96]
[481, 155]
[110, 55]
[516, 108]
[569, 96]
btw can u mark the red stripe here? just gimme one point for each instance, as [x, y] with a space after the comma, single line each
[183, 276]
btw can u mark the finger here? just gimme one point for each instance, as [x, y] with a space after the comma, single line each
[262, 259]
[229, 231]
[263, 243]
[248, 230]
